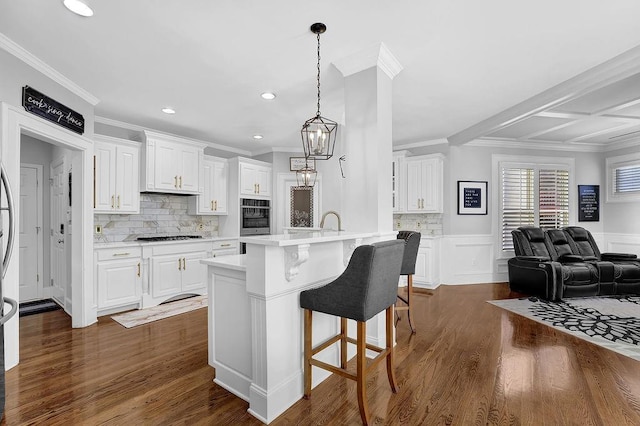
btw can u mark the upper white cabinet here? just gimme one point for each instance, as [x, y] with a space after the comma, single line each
[255, 179]
[213, 199]
[424, 184]
[116, 175]
[398, 182]
[171, 164]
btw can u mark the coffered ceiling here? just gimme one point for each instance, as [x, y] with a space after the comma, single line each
[500, 71]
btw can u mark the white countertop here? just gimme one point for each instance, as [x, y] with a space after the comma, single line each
[237, 262]
[311, 237]
[135, 243]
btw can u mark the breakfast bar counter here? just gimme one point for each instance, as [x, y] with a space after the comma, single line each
[255, 322]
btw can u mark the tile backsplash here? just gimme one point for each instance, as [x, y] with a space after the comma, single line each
[427, 224]
[160, 214]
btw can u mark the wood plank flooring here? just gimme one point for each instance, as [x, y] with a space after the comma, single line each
[470, 363]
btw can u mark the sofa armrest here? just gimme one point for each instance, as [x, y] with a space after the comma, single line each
[536, 276]
[618, 256]
[532, 258]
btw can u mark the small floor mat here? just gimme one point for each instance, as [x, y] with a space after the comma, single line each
[37, 307]
[166, 310]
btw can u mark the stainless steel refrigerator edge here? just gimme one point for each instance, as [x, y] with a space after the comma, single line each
[3, 268]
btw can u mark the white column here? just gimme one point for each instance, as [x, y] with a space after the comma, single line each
[367, 139]
[367, 145]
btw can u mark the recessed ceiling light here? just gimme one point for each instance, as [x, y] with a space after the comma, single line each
[168, 110]
[257, 137]
[78, 7]
[268, 96]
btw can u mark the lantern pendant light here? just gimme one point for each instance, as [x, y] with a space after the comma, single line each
[306, 176]
[319, 133]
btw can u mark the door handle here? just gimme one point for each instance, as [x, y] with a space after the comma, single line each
[113, 203]
[184, 264]
[216, 205]
[138, 268]
[179, 264]
[175, 181]
[180, 181]
[211, 204]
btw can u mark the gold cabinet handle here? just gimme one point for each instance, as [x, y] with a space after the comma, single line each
[175, 181]
[216, 205]
[138, 268]
[118, 201]
[113, 202]
[184, 264]
[121, 254]
[258, 188]
[180, 181]
[179, 264]
[225, 245]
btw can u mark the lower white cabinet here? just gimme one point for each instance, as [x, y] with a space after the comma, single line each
[142, 275]
[427, 264]
[118, 277]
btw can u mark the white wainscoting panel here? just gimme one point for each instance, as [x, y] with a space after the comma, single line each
[470, 259]
[620, 243]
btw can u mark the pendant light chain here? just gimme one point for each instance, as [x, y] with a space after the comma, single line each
[318, 113]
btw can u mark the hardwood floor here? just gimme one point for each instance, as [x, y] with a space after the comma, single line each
[469, 363]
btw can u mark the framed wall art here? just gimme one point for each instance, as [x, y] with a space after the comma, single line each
[472, 197]
[299, 163]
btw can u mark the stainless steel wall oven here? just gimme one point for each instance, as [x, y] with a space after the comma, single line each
[255, 217]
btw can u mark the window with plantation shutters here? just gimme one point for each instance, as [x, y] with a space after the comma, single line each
[623, 178]
[532, 195]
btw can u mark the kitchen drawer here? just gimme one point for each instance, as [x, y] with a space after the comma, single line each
[225, 244]
[118, 253]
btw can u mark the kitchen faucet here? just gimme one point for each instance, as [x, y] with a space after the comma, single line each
[336, 215]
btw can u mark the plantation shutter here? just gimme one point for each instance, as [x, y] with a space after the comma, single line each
[627, 179]
[554, 198]
[517, 202]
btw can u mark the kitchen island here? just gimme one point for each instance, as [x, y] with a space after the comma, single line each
[255, 322]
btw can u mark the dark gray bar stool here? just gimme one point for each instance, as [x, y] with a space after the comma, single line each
[412, 244]
[367, 286]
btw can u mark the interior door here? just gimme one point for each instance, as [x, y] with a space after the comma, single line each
[29, 236]
[58, 212]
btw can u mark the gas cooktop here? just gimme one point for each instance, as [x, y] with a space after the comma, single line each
[169, 238]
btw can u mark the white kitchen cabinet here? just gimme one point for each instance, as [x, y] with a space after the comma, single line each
[424, 184]
[213, 199]
[255, 180]
[398, 182]
[171, 165]
[178, 273]
[427, 273]
[118, 277]
[116, 176]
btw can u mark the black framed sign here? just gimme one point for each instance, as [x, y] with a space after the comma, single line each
[52, 110]
[472, 197]
[588, 203]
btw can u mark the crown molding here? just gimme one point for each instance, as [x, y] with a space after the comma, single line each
[377, 55]
[136, 128]
[552, 146]
[432, 142]
[28, 58]
[611, 71]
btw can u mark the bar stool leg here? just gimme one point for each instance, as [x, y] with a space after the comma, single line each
[409, 297]
[361, 373]
[307, 353]
[343, 343]
[390, 357]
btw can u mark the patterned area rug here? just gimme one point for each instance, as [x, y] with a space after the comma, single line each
[611, 322]
[166, 310]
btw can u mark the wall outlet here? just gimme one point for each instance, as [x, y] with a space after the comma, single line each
[200, 227]
[418, 225]
[98, 229]
[398, 225]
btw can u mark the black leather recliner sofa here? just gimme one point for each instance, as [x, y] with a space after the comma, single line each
[553, 265]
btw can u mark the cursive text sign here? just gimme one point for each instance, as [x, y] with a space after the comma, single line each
[47, 108]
